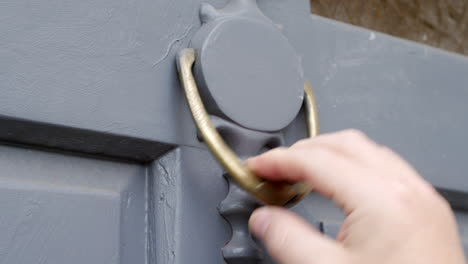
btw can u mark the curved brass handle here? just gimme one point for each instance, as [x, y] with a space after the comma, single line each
[270, 193]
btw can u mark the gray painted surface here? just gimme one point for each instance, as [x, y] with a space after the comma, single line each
[405, 95]
[57, 208]
[238, 205]
[111, 70]
[462, 219]
[79, 140]
[185, 225]
[246, 69]
[106, 66]
[99, 77]
[188, 188]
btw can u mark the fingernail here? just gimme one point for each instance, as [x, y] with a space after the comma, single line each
[259, 221]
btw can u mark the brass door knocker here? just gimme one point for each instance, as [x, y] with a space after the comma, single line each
[282, 194]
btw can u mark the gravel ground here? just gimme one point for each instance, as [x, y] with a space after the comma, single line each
[440, 23]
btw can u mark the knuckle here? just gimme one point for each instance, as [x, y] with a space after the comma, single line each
[440, 209]
[324, 155]
[390, 155]
[354, 134]
[444, 204]
[409, 198]
[401, 197]
[441, 202]
[302, 143]
[275, 151]
[403, 193]
[386, 150]
[428, 189]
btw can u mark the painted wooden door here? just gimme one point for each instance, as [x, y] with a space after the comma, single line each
[99, 158]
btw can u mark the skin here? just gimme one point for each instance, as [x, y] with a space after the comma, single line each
[392, 214]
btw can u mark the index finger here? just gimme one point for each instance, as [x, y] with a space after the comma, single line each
[330, 173]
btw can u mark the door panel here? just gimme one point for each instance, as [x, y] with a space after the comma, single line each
[58, 208]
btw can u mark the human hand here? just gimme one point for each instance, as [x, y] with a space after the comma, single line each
[392, 214]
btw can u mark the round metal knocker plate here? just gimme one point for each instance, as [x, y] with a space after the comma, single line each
[268, 192]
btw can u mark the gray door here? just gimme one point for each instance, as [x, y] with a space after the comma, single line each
[99, 156]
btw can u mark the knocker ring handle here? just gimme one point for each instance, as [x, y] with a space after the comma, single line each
[282, 194]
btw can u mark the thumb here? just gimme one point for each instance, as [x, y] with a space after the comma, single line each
[289, 239]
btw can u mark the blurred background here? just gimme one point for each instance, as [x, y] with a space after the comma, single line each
[439, 23]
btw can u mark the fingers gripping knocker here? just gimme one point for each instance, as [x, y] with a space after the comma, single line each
[268, 192]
